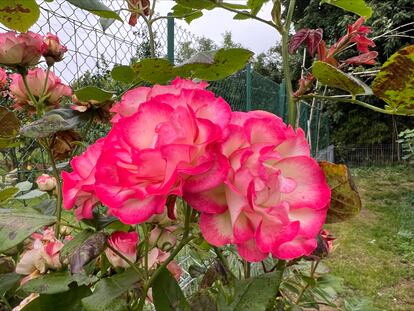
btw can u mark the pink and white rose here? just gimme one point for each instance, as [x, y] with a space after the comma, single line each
[22, 50]
[53, 92]
[46, 182]
[275, 198]
[126, 244]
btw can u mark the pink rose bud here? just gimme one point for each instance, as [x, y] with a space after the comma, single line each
[22, 50]
[126, 244]
[46, 182]
[52, 50]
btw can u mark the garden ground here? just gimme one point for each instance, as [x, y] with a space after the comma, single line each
[375, 250]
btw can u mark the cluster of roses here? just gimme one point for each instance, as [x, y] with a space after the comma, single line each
[22, 51]
[249, 175]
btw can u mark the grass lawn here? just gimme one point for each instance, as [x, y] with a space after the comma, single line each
[375, 250]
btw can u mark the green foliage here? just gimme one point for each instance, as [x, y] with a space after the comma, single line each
[73, 245]
[19, 15]
[56, 282]
[406, 139]
[355, 6]
[66, 301]
[213, 65]
[167, 294]
[96, 7]
[123, 74]
[108, 293]
[16, 226]
[93, 93]
[255, 293]
[333, 77]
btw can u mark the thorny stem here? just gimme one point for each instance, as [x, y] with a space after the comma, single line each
[353, 101]
[39, 109]
[292, 109]
[46, 81]
[184, 241]
[129, 262]
[312, 273]
[58, 190]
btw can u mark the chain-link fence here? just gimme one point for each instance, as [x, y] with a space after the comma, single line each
[82, 33]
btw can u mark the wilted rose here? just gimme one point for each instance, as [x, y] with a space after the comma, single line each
[52, 50]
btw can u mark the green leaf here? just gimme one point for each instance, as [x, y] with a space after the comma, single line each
[124, 74]
[8, 281]
[93, 93]
[31, 195]
[333, 77]
[10, 124]
[394, 84]
[252, 294]
[66, 301]
[16, 226]
[74, 244]
[19, 15]
[8, 193]
[213, 65]
[221, 64]
[358, 7]
[95, 7]
[88, 251]
[99, 221]
[235, 6]
[108, 293]
[345, 200]
[106, 22]
[154, 70]
[255, 5]
[196, 4]
[24, 186]
[46, 207]
[167, 294]
[56, 282]
[186, 13]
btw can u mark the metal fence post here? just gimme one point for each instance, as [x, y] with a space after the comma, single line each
[249, 86]
[170, 38]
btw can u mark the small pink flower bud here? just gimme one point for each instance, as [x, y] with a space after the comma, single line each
[46, 182]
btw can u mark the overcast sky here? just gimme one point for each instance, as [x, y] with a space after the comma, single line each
[252, 34]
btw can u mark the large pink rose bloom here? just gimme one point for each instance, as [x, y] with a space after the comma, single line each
[79, 186]
[275, 198]
[164, 140]
[54, 90]
[20, 50]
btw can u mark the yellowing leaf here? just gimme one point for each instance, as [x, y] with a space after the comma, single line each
[358, 7]
[394, 84]
[345, 200]
[19, 15]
